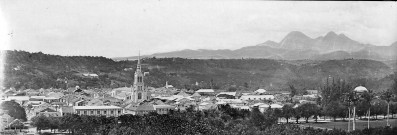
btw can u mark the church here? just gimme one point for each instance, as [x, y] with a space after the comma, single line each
[139, 92]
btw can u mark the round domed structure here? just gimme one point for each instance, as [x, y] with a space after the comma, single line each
[360, 89]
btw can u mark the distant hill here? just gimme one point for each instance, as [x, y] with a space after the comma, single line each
[37, 70]
[294, 46]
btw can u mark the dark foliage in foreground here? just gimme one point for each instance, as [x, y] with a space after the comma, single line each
[225, 121]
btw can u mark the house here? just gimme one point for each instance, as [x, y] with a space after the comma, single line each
[49, 112]
[312, 92]
[95, 102]
[65, 110]
[130, 109]
[256, 97]
[163, 109]
[19, 99]
[227, 95]
[36, 98]
[80, 102]
[196, 96]
[237, 102]
[99, 110]
[207, 92]
[145, 109]
[116, 91]
[183, 94]
[87, 75]
[260, 91]
[5, 120]
[51, 99]
[17, 123]
[123, 95]
[206, 106]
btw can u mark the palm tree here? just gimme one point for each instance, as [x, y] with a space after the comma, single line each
[387, 95]
[368, 97]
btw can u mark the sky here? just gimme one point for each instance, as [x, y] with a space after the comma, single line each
[120, 28]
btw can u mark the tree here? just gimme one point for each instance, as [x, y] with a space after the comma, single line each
[308, 110]
[298, 111]
[379, 107]
[54, 123]
[257, 118]
[288, 111]
[394, 86]
[246, 85]
[293, 90]
[335, 109]
[387, 96]
[41, 122]
[14, 110]
[278, 113]
[71, 122]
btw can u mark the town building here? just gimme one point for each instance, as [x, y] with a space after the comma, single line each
[256, 97]
[99, 110]
[163, 109]
[312, 92]
[360, 89]
[49, 112]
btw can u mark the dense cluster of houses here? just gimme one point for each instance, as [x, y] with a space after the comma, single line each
[140, 99]
[116, 102]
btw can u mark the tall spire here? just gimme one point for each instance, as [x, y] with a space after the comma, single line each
[138, 66]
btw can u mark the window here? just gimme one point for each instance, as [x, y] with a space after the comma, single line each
[139, 78]
[119, 112]
[98, 112]
[104, 112]
[85, 112]
[139, 95]
[111, 112]
[139, 87]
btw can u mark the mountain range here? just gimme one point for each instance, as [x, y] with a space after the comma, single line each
[294, 46]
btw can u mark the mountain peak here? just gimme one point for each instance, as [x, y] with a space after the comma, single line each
[331, 34]
[297, 34]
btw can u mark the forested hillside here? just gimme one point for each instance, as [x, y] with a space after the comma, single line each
[37, 70]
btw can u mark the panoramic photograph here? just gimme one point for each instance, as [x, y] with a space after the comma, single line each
[190, 67]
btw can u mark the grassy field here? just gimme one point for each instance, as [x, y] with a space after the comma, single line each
[360, 124]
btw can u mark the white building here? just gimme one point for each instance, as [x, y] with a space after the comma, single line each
[256, 97]
[99, 110]
[360, 89]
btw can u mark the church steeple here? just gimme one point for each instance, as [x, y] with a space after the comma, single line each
[138, 66]
[139, 92]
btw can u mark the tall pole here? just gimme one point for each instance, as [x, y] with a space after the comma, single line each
[354, 118]
[369, 114]
[348, 125]
[387, 114]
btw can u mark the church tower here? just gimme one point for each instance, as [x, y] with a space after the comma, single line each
[139, 92]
